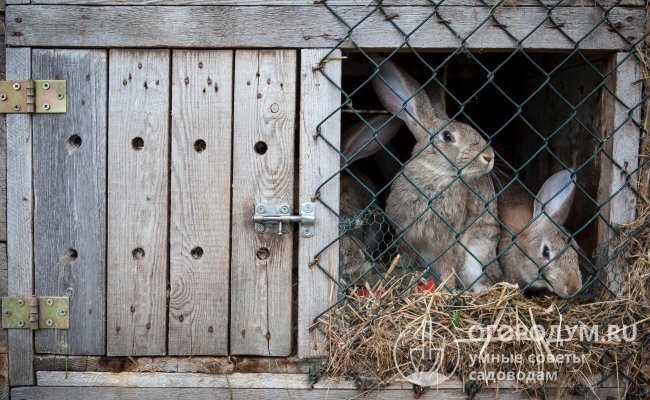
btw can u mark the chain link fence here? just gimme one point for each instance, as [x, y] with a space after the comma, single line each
[461, 168]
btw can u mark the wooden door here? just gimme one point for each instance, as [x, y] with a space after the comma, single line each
[144, 193]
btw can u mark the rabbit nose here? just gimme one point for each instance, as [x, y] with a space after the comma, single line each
[486, 158]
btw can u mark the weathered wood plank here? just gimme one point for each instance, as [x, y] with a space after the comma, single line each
[122, 393]
[204, 365]
[264, 111]
[621, 109]
[19, 220]
[3, 292]
[367, 3]
[70, 177]
[138, 157]
[200, 202]
[238, 381]
[315, 26]
[318, 162]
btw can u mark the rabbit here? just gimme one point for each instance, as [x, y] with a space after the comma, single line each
[429, 184]
[363, 237]
[543, 256]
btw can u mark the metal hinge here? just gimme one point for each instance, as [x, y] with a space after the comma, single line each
[33, 97]
[277, 218]
[32, 312]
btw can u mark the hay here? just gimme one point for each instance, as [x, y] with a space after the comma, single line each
[364, 332]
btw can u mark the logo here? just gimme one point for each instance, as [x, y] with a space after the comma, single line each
[426, 354]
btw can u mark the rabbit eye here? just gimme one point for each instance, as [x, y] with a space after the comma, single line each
[447, 137]
[545, 252]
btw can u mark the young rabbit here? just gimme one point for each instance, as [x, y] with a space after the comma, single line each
[363, 234]
[428, 202]
[542, 256]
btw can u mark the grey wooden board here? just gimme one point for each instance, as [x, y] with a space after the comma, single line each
[623, 147]
[315, 26]
[105, 393]
[70, 199]
[4, 377]
[261, 291]
[19, 220]
[138, 201]
[3, 292]
[318, 162]
[200, 202]
[240, 380]
[367, 3]
[202, 364]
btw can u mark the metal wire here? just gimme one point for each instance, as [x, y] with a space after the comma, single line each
[366, 254]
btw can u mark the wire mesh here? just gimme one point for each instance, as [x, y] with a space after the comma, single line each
[477, 176]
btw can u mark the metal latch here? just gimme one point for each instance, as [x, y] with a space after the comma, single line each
[33, 97]
[34, 312]
[277, 218]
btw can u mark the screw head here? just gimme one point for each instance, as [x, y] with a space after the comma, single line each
[260, 209]
[17, 107]
[259, 228]
[21, 303]
[46, 106]
[46, 85]
[3, 97]
[16, 86]
[62, 312]
[308, 207]
[49, 302]
[60, 96]
[21, 323]
[6, 312]
[307, 232]
[284, 209]
[49, 322]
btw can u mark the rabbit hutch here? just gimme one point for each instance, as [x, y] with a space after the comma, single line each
[269, 199]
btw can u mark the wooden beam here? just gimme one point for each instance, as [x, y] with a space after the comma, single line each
[263, 172]
[282, 393]
[621, 119]
[138, 176]
[70, 177]
[315, 26]
[575, 3]
[318, 162]
[200, 202]
[20, 275]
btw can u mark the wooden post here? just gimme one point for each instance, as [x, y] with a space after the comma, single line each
[318, 162]
[620, 111]
[19, 220]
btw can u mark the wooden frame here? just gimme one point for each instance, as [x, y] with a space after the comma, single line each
[212, 26]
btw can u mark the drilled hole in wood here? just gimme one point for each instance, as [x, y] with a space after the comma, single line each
[72, 254]
[138, 253]
[74, 141]
[137, 143]
[263, 253]
[261, 147]
[197, 253]
[199, 145]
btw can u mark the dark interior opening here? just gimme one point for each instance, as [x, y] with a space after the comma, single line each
[517, 101]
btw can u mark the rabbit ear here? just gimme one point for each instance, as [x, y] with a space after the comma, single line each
[366, 138]
[436, 93]
[556, 196]
[393, 86]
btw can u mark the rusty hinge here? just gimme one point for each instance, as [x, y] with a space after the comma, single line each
[33, 97]
[32, 312]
